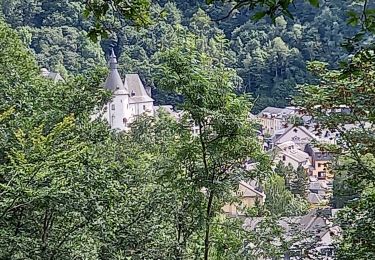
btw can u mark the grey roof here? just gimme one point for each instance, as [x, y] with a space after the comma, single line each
[168, 109]
[251, 188]
[136, 89]
[55, 76]
[313, 222]
[297, 155]
[314, 198]
[113, 81]
[316, 185]
[302, 128]
[277, 110]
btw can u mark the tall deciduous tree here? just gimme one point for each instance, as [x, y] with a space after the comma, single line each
[225, 140]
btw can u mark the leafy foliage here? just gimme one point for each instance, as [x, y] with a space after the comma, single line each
[343, 102]
[270, 58]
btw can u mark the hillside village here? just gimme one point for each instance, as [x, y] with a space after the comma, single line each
[288, 136]
[178, 130]
[291, 144]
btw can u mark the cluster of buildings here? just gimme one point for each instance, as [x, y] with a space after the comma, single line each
[294, 139]
[289, 137]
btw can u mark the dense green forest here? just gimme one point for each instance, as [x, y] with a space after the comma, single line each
[72, 188]
[270, 58]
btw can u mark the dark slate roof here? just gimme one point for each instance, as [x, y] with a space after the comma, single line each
[136, 89]
[114, 81]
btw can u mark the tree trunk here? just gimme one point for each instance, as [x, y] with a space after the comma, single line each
[208, 225]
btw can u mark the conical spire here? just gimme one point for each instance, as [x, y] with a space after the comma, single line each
[114, 81]
[113, 60]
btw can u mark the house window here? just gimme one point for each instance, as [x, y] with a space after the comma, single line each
[284, 158]
[321, 175]
[319, 165]
[144, 107]
[105, 109]
[113, 106]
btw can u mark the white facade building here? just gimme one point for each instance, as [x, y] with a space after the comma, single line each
[289, 154]
[130, 98]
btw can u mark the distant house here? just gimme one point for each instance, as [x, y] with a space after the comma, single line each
[249, 195]
[290, 154]
[320, 162]
[315, 229]
[274, 118]
[297, 134]
[55, 76]
[319, 192]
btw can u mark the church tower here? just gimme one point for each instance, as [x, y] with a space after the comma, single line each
[117, 111]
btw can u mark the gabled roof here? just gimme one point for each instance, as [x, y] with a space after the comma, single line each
[314, 198]
[302, 128]
[317, 185]
[136, 89]
[295, 154]
[252, 189]
[55, 76]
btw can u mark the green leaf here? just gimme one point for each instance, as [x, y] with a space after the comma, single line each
[314, 3]
[259, 15]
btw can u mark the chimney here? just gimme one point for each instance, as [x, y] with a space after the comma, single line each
[148, 91]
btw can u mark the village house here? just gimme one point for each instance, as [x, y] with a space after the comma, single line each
[249, 195]
[315, 229]
[54, 76]
[297, 134]
[320, 162]
[290, 154]
[274, 118]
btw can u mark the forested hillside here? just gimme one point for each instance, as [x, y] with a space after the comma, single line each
[270, 59]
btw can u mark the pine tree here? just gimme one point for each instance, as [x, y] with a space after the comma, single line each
[299, 182]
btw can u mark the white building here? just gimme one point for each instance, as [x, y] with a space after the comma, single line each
[130, 98]
[289, 154]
